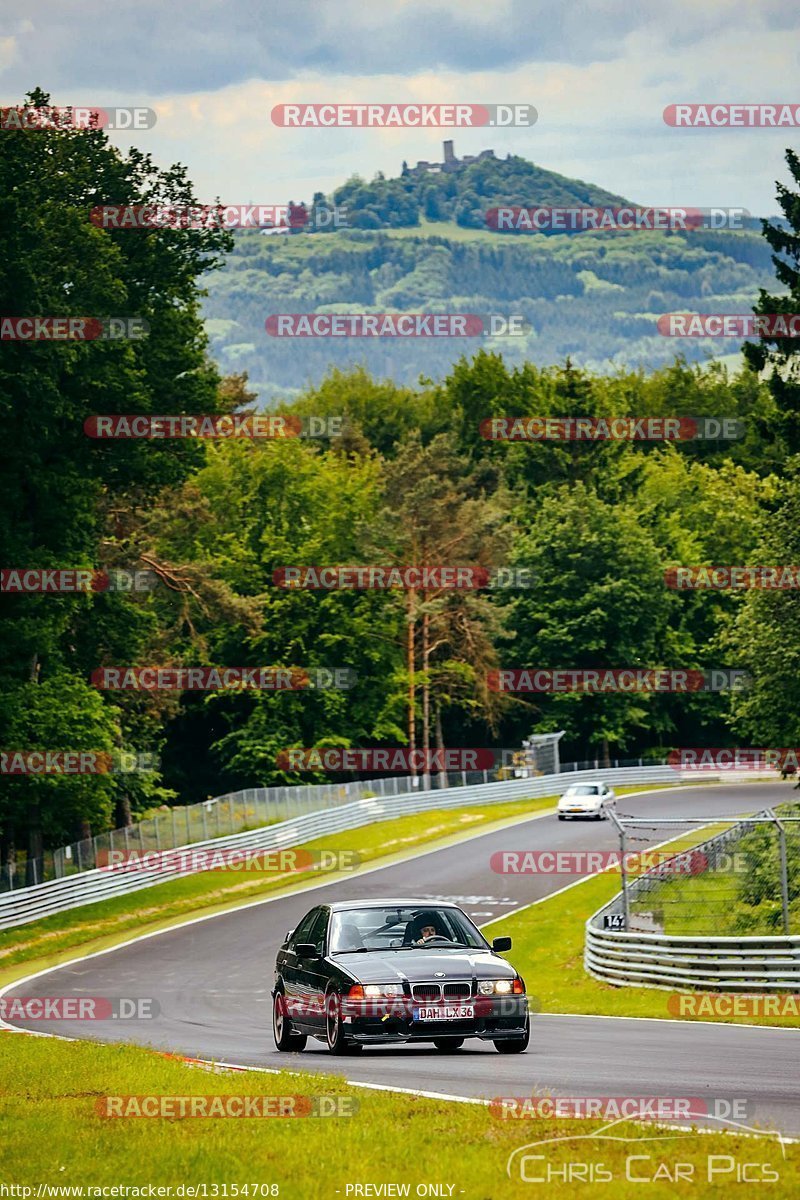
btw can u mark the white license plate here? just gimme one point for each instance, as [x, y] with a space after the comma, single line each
[448, 1012]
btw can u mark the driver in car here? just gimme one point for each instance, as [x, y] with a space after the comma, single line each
[426, 927]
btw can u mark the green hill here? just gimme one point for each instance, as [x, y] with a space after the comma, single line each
[420, 243]
[463, 193]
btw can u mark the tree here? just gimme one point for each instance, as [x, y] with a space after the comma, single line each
[779, 355]
[598, 600]
[437, 515]
[68, 501]
[767, 630]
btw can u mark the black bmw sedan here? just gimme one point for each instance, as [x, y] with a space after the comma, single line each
[393, 971]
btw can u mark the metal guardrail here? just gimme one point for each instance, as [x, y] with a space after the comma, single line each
[636, 959]
[58, 895]
[250, 808]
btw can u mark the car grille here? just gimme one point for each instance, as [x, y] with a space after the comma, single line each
[461, 990]
[435, 991]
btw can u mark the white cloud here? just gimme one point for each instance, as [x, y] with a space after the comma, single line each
[599, 72]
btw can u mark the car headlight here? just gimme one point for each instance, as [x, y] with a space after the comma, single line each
[495, 987]
[383, 989]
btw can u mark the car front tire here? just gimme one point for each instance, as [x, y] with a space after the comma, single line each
[285, 1039]
[338, 1043]
[514, 1045]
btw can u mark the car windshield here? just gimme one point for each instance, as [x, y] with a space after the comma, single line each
[402, 928]
[584, 789]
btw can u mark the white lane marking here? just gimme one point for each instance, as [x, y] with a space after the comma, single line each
[386, 1087]
[672, 1021]
[585, 878]
[282, 895]
[143, 937]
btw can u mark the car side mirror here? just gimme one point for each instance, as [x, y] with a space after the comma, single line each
[501, 943]
[305, 950]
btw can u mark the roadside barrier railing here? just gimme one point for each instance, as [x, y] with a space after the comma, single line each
[619, 949]
[32, 903]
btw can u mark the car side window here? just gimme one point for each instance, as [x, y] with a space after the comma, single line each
[318, 930]
[303, 929]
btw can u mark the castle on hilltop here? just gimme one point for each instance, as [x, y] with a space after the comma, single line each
[451, 163]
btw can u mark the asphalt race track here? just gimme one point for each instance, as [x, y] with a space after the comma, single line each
[212, 982]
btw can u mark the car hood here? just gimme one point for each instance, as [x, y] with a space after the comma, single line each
[421, 965]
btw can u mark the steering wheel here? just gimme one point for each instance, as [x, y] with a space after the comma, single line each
[436, 938]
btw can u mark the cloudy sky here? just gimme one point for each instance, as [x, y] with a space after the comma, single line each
[599, 73]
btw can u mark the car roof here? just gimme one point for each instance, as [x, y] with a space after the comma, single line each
[391, 902]
[587, 783]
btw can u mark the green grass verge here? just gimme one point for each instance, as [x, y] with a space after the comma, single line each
[96, 926]
[91, 927]
[54, 1135]
[548, 952]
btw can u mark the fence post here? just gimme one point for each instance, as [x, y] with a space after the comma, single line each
[205, 822]
[623, 874]
[784, 871]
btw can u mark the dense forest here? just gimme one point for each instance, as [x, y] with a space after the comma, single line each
[410, 480]
[595, 297]
[423, 241]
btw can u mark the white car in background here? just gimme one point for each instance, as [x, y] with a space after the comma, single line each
[586, 800]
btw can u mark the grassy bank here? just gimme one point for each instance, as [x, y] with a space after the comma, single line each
[96, 926]
[548, 951]
[53, 1135]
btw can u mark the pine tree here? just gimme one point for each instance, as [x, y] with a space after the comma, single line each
[780, 354]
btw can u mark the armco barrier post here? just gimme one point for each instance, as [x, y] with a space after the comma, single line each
[623, 873]
[784, 870]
